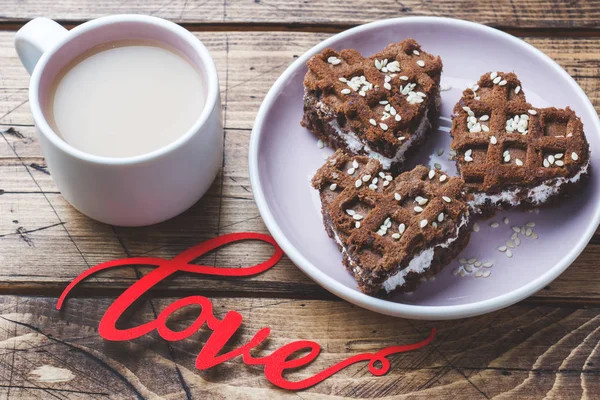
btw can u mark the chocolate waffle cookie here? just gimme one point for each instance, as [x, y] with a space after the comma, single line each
[510, 153]
[392, 232]
[382, 106]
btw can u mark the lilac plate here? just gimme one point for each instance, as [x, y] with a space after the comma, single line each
[284, 156]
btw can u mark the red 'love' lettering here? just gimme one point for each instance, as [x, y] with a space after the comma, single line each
[223, 329]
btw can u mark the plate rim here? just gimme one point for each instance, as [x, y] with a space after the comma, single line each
[376, 304]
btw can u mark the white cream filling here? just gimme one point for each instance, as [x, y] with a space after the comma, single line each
[355, 145]
[419, 264]
[537, 195]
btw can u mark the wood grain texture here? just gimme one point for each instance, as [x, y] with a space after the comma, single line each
[521, 352]
[248, 65]
[325, 14]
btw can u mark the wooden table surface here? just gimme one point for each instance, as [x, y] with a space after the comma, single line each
[544, 347]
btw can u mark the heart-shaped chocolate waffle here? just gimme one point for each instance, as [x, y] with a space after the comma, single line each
[510, 153]
[392, 231]
[380, 106]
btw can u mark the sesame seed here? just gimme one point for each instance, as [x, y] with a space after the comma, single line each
[551, 159]
[431, 173]
[471, 260]
[437, 166]
[558, 156]
[546, 163]
[358, 183]
[333, 187]
[494, 224]
[502, 82]
[418, 209]
[534, 235]
[468, 152]
[514, 235]
[493, 75]
[517, 241]
[484, 117]
[385, 183]
[375, 180]
[440, 151]
[516, 229]
[528, 232]
[388, 178]
[334, 60]
[574, 156]
[560, 163]
[354, 163]
[475, 227]
[404, 77]
[468, 268]
[342, 79]
[510, 244]
[441, 217]
[517, 89]
[383, 126]
[387, 86]
[345, 91]
[487, 264]
[420, 63]
[373, 187]
[423, 223]
[398, 117]
[350, 212]
[397, 196]
[351, 171]
[373, 122]
[502, 248]
[462, 260]
[401, 228]
[416, 52]
[357, 217]
[478, 274]
[357, 224]
[509, 254]
[446, 199]
[443, 178]
[362, 93]
[497, 80]
[493, 140]
[486, 274]
[366, 178]
[396, 236]
[532, 112]
[518, 162]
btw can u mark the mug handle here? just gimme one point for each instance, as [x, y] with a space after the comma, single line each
[34, 38]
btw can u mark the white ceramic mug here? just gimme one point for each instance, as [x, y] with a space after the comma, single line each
[131, 191]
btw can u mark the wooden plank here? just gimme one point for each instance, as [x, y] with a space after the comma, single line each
[323, 14]
[515, 353]
[250, 62]
[248, 65]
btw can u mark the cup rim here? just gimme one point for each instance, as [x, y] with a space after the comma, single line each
[212, 85]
